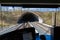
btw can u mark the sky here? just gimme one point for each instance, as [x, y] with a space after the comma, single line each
[41, 9]
[4, 8]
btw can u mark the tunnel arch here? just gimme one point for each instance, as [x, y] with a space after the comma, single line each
[27, 17]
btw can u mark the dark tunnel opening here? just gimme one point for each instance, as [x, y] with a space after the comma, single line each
[27, 17]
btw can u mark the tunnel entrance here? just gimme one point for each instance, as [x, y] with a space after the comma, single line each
[27, 17]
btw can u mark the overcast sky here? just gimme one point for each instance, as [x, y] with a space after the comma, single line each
[31, 9]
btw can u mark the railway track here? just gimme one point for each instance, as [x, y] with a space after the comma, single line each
[11, 28]
[40, 28]
[14, 27]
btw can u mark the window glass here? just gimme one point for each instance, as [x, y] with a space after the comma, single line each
[58, 17]
[9, 16]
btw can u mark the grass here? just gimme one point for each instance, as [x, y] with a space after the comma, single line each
[10, 18]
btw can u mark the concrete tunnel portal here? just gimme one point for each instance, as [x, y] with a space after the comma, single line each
[28, 17]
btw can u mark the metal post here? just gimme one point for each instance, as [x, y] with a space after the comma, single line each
[1, 15]
[54, 19]
[53, 23]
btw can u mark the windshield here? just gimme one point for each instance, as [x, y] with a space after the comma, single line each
[9, 16]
